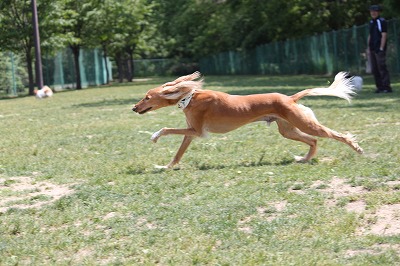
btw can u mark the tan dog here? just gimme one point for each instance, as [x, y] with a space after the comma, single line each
[218, 112]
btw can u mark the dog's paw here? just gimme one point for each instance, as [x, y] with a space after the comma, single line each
[359, 150]
[156, 136]
[167, 167]
[161, 166]
[300, 159]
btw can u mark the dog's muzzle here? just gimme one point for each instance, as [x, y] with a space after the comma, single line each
[141, 112]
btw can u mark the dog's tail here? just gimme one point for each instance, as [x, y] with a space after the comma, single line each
[341, 87]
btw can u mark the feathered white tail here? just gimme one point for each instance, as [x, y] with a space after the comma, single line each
[341, 87]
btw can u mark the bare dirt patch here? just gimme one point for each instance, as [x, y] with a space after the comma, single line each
[384, 221]
[338, 188]
[358, 206]
[24, 192]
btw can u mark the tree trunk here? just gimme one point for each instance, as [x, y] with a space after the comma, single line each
[129, 64]
[119, 60]
[75, 51]
[128, 70]
[30, 71]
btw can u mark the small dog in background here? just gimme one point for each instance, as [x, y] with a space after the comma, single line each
[43, 92]
[219, 112]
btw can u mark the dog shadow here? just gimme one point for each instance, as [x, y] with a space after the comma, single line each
[283, 162]
[135, 170]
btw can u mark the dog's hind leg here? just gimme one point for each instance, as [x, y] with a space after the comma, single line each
[289, 131]
[316, 129]
[310, 125]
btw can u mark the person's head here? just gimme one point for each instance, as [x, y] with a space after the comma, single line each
[375, 11]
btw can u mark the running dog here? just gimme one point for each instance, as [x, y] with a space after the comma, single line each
[219, 112]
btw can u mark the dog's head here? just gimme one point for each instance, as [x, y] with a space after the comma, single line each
[168, 94]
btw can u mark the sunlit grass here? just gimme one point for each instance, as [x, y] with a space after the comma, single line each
[219, 207]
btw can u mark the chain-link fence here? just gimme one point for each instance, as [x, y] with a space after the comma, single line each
[12, 74]
[163, 67]
[326, 53]
[58, 71]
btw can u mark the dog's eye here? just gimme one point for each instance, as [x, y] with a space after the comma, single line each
[147, 98]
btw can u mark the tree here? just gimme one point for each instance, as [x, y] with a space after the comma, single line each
[77, 12]
[101, 18]
[391, 8]
[16, 32]
[197, 28]
[133, 23]
[120, 27]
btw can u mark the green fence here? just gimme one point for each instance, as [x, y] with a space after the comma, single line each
[326, 53]
[12, 74]
[163, 67]
[58, 71]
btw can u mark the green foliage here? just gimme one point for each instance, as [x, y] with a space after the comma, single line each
[133, 29]
[232, 25]
[16, 31]
[123, 29]
[391, 8]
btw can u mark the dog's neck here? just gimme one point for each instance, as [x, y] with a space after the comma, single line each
[184, 102]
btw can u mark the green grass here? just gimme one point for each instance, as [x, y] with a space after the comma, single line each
[124, 211]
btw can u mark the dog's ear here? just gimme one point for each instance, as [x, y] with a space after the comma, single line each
[193, 76]
[175, 92]
[181, 89]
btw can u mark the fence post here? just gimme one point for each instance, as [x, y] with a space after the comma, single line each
[58, 73]
[328, 61]
[96, 67]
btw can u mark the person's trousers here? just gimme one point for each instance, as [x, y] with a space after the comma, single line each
[380, 71]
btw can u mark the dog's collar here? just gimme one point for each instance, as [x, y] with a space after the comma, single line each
[184, 102]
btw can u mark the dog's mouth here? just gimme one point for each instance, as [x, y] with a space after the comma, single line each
[144, 111]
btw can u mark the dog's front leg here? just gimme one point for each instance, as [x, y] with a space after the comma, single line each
[168, 131]
[190, 134]
[185, 144]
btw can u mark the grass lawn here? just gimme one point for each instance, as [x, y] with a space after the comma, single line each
[78, 184]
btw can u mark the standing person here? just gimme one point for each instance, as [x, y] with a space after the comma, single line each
[377, 42]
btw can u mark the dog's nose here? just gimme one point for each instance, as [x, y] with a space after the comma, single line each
[134, 108]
